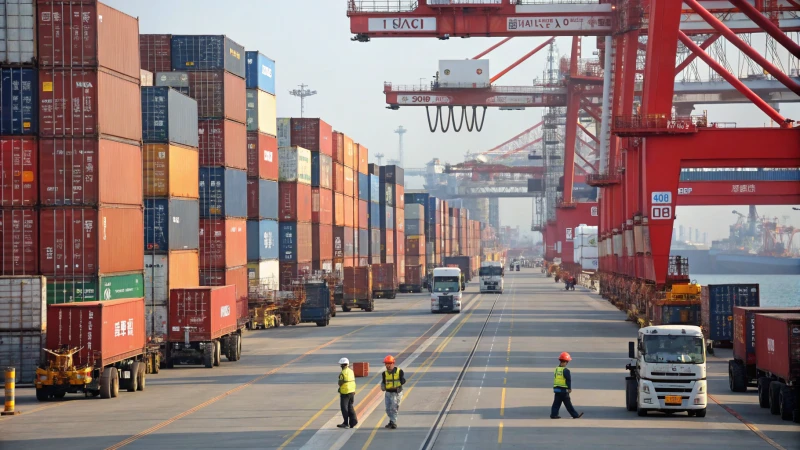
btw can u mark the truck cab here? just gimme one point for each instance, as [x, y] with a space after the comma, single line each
[669, 371]
[446, 292]
[491, 276]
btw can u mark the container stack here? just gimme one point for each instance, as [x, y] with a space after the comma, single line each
[91, 224]
[263, 263]
[294, 214]
[585, 252]
[215, 69]
[374, 205]
[415, 242]
[344, 223]
[171, 200]
[23, 323]
[433, 233]
[19, 148]
[361, 206]
[392, 193]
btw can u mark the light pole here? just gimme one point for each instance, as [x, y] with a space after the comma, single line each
[302, 93]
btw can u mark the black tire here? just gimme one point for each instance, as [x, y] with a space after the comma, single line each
[217, 353]
[239, 347]
[142, 378]
[43, 394]
[700, 413]
[60, 394]
[106, 381]
[630, 395]
[763, 392]
[132, 383]
[774, 394]
[641, 412]
[371, 307]
[786, 402]
[345, 308]
[737, 381]
[691, 413]
[333, 311]
[208, 356]
[156, 364]
[321, 323]
[114, 383]
[233, 347]
[796, 416]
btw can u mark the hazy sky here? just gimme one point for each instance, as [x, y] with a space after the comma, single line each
[310, 40]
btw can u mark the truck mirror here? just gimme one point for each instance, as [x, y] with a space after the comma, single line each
[631, 350]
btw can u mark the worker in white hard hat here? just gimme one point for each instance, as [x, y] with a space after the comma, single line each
[347, 394]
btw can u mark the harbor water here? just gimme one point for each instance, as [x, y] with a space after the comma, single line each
[776, 290]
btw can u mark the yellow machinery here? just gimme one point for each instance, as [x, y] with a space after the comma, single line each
[263, 317]
[60, 376]
[684, 292]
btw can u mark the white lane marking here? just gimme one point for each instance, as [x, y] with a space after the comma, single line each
[330, 437]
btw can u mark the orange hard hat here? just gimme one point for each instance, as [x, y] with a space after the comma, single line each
[388, 360]
[564, 356]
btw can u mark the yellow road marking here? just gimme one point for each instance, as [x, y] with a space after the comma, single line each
[748, 424]
[502, 402]
[500, 433]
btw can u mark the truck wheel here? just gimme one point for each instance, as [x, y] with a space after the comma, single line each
[239, 340]
[132, 383]
[640, 411]
[61, 394]
[217, 353]
[736, 377]
[630, 395]
[106, 380]
[142, 378]
[763, 392]
[208, 355]
[232, 347]
[774, 394]
[786, 401]
[42, 394]
[371, 306]
[320, 323]
[333, 311]
[700, 413]
[114, 382]
[345, 308]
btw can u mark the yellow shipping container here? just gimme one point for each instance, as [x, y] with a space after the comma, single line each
[170, 171]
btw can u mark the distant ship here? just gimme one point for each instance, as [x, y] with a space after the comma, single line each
[746, 263]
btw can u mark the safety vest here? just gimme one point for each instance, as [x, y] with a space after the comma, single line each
[392, 380]
[349, 379]
[559, 380]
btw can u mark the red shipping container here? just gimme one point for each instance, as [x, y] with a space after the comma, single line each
[236, 276]
[744, 338]
[349, 212]
[222, 143]
[350, 153]
[778, 345]
[219, 95]
[338, 209]
[294, 202]
[350, 262]
[349, 182]
[363, 159]
[223, 243]
[209, 311]
[291, 271]
[88, 102]
[253, 201]
[89, 171]
[399, 243]
[19, 235]
[399, 197]
[89, 34]
[322, 239]
[415, 245]
[90, 241]
[155, 52]
[363, 214]
[414, 275]
[415, 260]
[262, 156]
[106, 332]
[322, 206]
[338, 178]
[387, 242]
[312, 134]
[338, 147]
[384, 277]
[18, 172]
[400, 220]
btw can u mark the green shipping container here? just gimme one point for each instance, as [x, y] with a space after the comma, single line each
[105, 287]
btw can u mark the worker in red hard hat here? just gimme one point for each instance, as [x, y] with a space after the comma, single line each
[392, 382]
[562, 387]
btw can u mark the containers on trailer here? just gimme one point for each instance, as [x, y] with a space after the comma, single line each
[86, 241]
[294, 202]
[155, 52]
[223, 192]
[259, 72]
[219, 95]
[171, 224]
[414, 278]
[170, 171]
[222, 143]
[317, 307]
[778, 345]
[357, 289]
[19, 99]
[17, 32]
[19, 169]
[295, 240]
[294, 165]
[168, 116]
[208, 52]
[262, 199]
[384, 280]
[262, 156]
[717, 304]
[262, 240]
[223, 243]
[91, 288]
[262, 111]
[313, 134]
[106, 332]
[23, 303]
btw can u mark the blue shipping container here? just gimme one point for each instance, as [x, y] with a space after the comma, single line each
[374, 215]
[262, 240]
[430, 210]
[718, 304]
[171, 224]
[288, 240]
[205, 52]
[374, 189]
[168, 116]
[223, 192]
[260, 72]
[387, 217]
[363, 243]
[363, 187]
[321, 170]
[19, 95]
[266, 197]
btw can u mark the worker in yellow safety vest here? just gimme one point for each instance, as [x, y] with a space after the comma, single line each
[347, 394]
[392, 383]
[562, 387]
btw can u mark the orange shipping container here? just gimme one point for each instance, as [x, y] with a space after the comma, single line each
[349, 153]
[170, 171]
[415, 260]
[349, 182]
[415, 245]
[338, 178]
[349, 213]
[338, 209]
[184, 269]
[363, 214]
[338, 147]
[363, 159]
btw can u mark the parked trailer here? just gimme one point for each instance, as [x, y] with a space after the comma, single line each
[203, 325]
[415, 279]
[317, 307]
[358, 289]
[384, 281]
[742, 371]
[716, 311]
[95, 348]
[778, 364]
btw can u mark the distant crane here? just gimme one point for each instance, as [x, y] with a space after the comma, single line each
[401, 131]
[379, 158]
[302, 93]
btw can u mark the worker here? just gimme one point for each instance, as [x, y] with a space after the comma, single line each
[392, 383]
[347, 394]
[562, 387]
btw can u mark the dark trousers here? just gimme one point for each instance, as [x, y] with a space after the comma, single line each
[562, 397]
[348, 411]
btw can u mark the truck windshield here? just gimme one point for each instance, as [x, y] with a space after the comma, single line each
[673, 349]
[490, 271]
[446, 284]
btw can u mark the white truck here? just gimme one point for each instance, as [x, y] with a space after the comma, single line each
[446, 290]
[669, 373]
[491, 276]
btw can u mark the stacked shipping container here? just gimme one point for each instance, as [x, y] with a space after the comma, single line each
[361, 207]
[392, 207]
[415, 244]
[374, 214]
[344, 212]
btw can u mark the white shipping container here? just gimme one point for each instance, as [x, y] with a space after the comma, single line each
[284, 131]
[145, 77]
[17, 31]
[414, 211]
[589, 263]
[262, 112]
[294, 165]
[23, 304]
[263, 276]
[156, 279]
[21, 350]
[586, 236]
[585, 252]
[327, 266]
[464, 73]
[156, 317]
